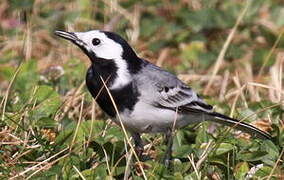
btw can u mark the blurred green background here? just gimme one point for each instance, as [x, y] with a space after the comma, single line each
[50, 128]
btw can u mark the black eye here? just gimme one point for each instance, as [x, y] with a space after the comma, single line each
[166, 89]
[96, 41]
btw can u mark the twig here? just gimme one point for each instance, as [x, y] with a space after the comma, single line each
[225, 47]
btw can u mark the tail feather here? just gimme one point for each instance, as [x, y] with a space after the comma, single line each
[222, 119]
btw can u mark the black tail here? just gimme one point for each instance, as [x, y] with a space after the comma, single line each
[222, 119]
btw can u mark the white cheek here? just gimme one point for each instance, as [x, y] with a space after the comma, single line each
[108, 49]
[107, 52]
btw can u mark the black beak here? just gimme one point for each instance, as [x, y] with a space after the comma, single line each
[67, 35]
[73, 38]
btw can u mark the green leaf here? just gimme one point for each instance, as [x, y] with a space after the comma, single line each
[251, 156]
[64, 137]
[46, 122]
[263, 172]
[6, 72]
[101, 171]
[272, 152]
[241, 170]
[182, 151]
[224, 148]
[44, 92]
[23, 4]
[48, 103]
[119, 170]
[191, 52]
[202, 135]
[26, 80]
[191, 176]
[218, 161]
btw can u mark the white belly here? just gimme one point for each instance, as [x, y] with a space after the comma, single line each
[147, 119]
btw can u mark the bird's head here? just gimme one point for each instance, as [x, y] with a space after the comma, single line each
[100, 45]
[107, 50]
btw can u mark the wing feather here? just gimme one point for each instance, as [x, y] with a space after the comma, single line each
[182, 98]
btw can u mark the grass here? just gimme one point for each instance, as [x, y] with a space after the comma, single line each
[231, 52]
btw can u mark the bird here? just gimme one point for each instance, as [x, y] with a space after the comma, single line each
[142, 96]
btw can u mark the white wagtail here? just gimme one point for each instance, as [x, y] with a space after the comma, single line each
[149, 99]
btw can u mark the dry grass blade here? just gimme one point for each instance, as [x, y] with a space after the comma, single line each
[5, 99]
[42, 113]
[107, 159]
[224, 86]
[133, 18]
[80, 174]
[123, 128]
[265, 86]
[127, 170]
[78, 124]
[37, 165]
[277, 162]
[236, 99]
[270, 53]
[236, 80]
[68, 102]
[48, 165]
[255, 113]
[28, 42]
[204, 155]
[276, 79]
[117, 163]
[92, 121]
[191, 159]
[225, 47]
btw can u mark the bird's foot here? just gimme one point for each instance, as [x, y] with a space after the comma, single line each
[167, 160]
[139, 151]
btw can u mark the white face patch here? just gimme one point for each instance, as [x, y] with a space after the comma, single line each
[107, 49]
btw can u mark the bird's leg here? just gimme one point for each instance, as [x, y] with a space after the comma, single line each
[169, 142]
[139, 147]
